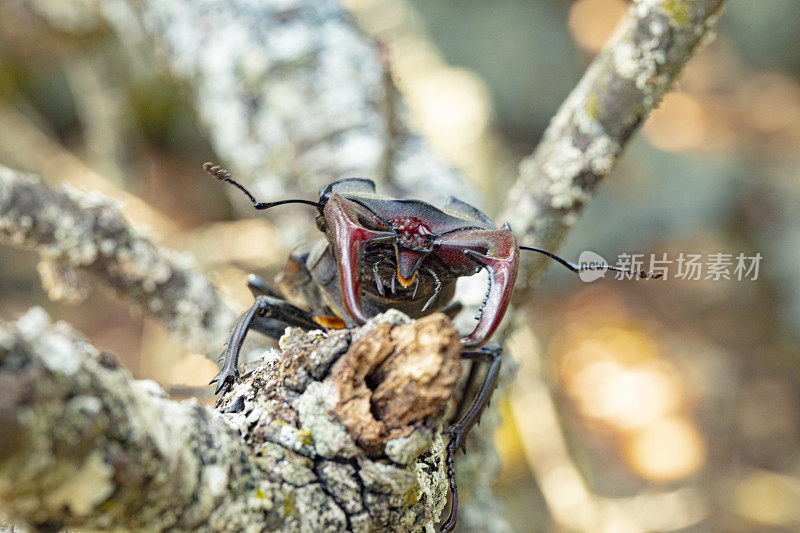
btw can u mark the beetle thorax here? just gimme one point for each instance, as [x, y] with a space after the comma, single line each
[411, 232]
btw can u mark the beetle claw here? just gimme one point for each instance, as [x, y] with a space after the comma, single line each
[457, 435]
[225, 380]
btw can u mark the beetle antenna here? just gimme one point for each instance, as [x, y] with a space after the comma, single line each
[641, 274]
[223, 175]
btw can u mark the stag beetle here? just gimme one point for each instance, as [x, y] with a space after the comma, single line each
[383, 253]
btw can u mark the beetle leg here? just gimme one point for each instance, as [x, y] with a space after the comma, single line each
[458, 431]
[452, 309]
[435, 290]
[416, 287]
[230, 358]
[270, 327]
[282, 311]
[286, 313]
[393, 285]
[467, 389]
[267, 314]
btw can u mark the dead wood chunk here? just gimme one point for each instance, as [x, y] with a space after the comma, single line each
[396, 378]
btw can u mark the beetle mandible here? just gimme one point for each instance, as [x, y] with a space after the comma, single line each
[383, 253]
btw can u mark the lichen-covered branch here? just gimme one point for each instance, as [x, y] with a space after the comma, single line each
[85, 446]
[624, 83]
[293, 95]
[79, 233]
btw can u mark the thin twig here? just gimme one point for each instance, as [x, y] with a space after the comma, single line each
[584, 140]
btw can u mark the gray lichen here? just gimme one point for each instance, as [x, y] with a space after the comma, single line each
[276, 410]
[78, 234]
[291, 92]
[86, 446]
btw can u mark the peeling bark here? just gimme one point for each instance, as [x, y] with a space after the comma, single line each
[395, 378]
[86, 446]
[79, 233]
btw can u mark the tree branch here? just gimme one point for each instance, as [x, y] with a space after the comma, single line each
[624, 83]
[293, 97]
[84, 445]
[76, 232]
[292, 94]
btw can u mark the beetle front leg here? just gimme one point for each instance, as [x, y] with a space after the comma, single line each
[267, 315]
[230, 358]
[458, 431]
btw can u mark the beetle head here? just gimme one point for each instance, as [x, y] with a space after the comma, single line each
[457, 240]
[393, 223]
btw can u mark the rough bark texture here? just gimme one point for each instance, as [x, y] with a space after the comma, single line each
[294, 95]
[84, 445]
[588, 134]
[79, 233]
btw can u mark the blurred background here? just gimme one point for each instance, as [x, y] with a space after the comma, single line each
[638, 406]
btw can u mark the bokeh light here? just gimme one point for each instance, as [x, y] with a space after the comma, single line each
[667, 449]
[637, 407]
[768, 498]
[679, 124]
[591, 22]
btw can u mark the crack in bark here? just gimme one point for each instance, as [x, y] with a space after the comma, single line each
[550, 190]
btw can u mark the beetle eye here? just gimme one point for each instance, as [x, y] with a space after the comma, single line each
[372, 223]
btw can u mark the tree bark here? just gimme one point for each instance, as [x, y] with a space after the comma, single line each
[292, 94]
[303, 444]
